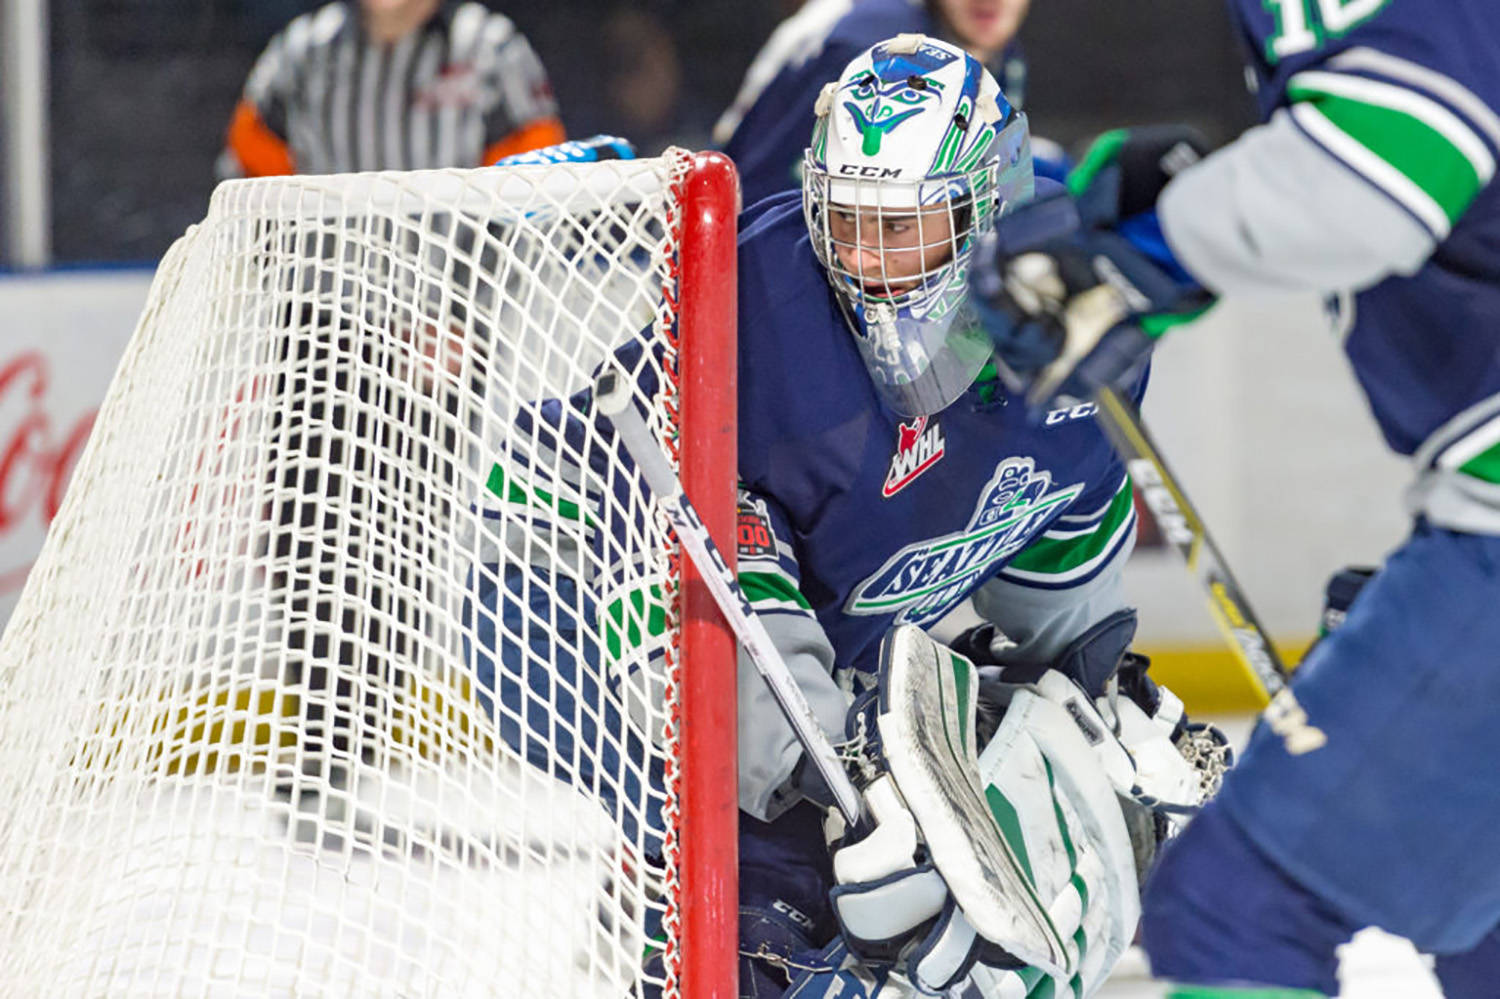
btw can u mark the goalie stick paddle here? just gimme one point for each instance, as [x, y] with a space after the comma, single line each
[1181, 525]
[612, 397]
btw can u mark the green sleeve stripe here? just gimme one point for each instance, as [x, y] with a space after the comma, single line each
[1054, 557]
[762, 587]
[1101, 153]
[627, 622]
[1476, 452]
[513, 492]
[1377, 171]
[1156, 324]
[1414, 136]
[1484, 466]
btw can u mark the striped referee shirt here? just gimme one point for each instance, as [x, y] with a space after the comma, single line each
[462, 90]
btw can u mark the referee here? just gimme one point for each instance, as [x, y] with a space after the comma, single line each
[391, 85]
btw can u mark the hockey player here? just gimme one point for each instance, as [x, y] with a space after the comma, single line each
[1371, 178]
[887, 476]
[765, 130]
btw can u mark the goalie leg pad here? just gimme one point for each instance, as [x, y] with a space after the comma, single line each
[1049, 788]
[927, 702]
[1029, 835]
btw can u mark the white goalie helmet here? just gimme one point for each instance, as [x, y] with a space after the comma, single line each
[914, 153]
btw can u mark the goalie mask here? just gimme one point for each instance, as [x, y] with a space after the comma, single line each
[914, 153]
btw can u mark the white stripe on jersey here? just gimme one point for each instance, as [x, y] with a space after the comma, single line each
[794, 41]
[1094, 516]
[367, 109]
[1388, 178]
[1462, 427]
[1443, 87]
[1424, 109]
[393, 102]
[340, 130]
[423, 124]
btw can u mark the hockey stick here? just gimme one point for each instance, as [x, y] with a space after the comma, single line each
[1181, 524]
[1086, 318]
[612, 397]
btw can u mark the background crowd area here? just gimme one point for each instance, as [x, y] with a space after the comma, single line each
[141, 91]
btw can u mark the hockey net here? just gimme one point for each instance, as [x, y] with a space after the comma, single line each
[357, 661]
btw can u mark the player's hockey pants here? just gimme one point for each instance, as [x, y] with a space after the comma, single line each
[1392, 823]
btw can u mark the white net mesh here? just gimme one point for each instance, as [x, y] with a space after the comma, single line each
[347, 667]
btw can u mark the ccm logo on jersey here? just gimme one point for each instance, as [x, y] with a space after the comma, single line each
[1078, 412]
[919, 446]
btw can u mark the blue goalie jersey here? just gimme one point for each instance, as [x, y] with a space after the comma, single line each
[1404, 94]
[861, 520]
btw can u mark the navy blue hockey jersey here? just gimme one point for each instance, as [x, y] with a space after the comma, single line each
[862, 520]
[1404, 94]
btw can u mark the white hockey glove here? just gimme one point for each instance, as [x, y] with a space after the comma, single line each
[989, 871]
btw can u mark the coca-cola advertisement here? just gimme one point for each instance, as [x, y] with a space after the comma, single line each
[63, 336]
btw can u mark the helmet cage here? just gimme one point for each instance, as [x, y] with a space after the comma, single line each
[897, 253]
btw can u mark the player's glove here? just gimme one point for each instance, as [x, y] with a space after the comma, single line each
[1074, 289]
[590, 150]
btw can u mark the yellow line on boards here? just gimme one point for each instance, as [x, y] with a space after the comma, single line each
[1209, 677]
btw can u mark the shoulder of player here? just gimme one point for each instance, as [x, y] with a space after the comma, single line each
[301, 43]
[476, 29]
[783, 292]
[1439, 56]
[799, 372]
[870, 21]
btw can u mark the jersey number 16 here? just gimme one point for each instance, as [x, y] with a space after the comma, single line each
[1301, 29]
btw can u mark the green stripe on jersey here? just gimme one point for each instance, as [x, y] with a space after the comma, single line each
[1485, 465]
[763, 587]
[1418, 149]
[1156, 324]
[629, 621]
[1060, 556]
[512, 491]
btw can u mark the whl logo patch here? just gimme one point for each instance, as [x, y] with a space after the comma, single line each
[925, 580]
[919, 446]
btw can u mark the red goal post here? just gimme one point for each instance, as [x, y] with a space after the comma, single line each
[357, 660]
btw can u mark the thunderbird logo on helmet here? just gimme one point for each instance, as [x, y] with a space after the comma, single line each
[894, 90]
